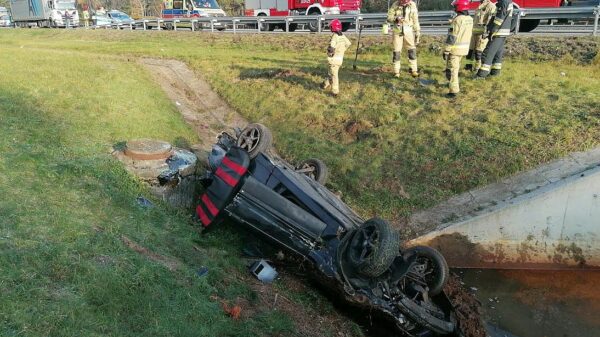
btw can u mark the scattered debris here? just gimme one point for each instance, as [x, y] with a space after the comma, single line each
[203, 271]
[233, 311]
[425, 82]
[472, 288]
[144, 203]
[263, 271]
[467, 308]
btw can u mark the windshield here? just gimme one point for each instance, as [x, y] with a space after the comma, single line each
[64, 5]
[207, 4]
[119, 15]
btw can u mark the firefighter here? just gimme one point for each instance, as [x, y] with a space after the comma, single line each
[457, 43]
[483, 14]
[335, 55]
[86, 17]
[497, 30]
[404, 18]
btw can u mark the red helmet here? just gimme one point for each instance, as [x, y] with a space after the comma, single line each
[335, 26]
[461, 5]
[404, 2]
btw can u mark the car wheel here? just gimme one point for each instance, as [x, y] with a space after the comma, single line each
[197, 26]
[429, 266]
[293, 27]
[373, 247]
[255, 138]
[314, 169]
[169, 26]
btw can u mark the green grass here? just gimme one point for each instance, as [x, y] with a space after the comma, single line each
[66, 203]
[411, 138]
[67, 96]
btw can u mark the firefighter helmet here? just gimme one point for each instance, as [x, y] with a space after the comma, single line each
[404, 2]
[461, 5]
[335, 26]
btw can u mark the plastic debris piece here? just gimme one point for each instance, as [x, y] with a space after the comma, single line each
[203, 271]
[144, 203]
[263, 271]
[234, 311]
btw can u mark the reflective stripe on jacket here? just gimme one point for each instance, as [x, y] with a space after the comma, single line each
[500, 25]
[410, 15]
[483, 14]
[459, 35]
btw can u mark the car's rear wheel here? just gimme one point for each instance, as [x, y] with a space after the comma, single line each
[373, 247]
[314, 169]
[255, 138]
[430, 266]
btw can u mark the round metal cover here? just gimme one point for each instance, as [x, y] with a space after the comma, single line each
[148, 149]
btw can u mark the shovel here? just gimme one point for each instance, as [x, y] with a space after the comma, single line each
[360, 28]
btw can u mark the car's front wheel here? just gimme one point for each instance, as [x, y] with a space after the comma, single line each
[373, 247]
[430, 266]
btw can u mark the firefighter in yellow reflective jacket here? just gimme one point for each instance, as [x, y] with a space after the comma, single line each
[404, 19]
[497, 30]
[335, 55]
[483, 14]
[457, 43]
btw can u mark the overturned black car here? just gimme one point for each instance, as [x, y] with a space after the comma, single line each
[290, 206]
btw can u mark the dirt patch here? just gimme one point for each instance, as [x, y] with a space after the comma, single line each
[199, 105]
[467, 308]
[171, 263]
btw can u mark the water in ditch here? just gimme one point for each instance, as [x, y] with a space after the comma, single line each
[530, 303]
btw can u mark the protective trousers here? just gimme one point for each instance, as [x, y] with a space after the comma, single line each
[478, 44]
[332, 78]
[406, 39]
[492, 57]
[452, 68]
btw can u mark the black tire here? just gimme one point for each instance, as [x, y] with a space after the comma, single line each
[255, 138]
[169, 26]
[221, 29]
[317, 170]
[293, 27]
[373, 247]
[346, 26]
[313, 26]
[271, 27]
[436, 272]
[526, 26]
[197, 26]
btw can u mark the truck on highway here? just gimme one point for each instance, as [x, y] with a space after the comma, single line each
[527, 25]
[44, 13]
[177, 9]
[301, 7]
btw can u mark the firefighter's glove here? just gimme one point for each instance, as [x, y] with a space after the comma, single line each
[330, 51]
[445, 55]
[399, 20]
[417, 39]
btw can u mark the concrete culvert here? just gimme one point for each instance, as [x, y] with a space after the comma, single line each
[170, 172]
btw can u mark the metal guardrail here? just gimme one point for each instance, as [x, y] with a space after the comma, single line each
[425, 18]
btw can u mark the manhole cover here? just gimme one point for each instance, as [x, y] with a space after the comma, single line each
[148, 149]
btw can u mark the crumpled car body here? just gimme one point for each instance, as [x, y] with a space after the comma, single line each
[267, 195]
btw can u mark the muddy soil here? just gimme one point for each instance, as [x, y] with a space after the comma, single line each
[199, 105]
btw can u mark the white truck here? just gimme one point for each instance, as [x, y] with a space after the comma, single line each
[44, 13]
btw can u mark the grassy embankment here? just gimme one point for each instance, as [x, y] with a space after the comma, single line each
[66, 203]
[393, 146]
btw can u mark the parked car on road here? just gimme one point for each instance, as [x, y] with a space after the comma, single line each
[113, 18]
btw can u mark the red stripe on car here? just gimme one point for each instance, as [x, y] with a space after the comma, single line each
[231, 181]
[237, 168]
[205, 220]
[209, 204]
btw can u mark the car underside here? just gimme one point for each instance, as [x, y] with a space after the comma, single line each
[290, 206]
